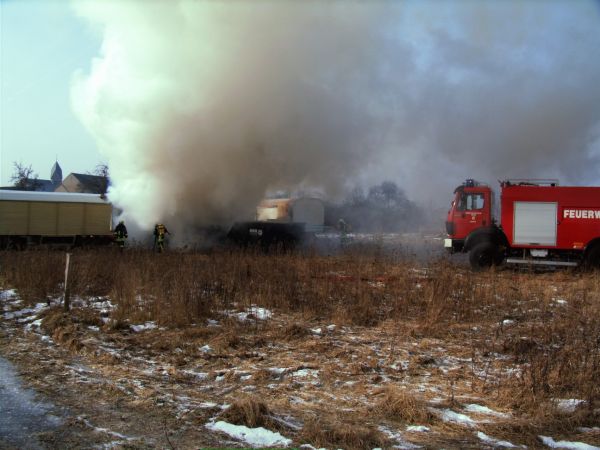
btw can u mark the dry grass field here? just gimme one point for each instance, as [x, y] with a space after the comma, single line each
[356, 350]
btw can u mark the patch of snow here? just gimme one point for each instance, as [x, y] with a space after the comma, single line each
[331, 327]
[106, 430]
[103, 305]
[27, 319]
[260, 437]
[36, 323]
[7, 293]
[206, 349]
[417, 429]
[255, 312]
[549, 442]
[447, 415]
[212, 323]
[306, 373]
[568, 405]
[194, 374]
[474, 408]
[207, 405]
[495, 442]
[316, 331]
[93, 328]
[401, 443]
[143, 327]
[508, 322]
[588, 429]
[20, 313]
[400, 365]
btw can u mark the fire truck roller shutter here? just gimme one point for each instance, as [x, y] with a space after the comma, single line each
[535, 223]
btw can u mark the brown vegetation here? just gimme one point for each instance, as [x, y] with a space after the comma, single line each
[545, 328]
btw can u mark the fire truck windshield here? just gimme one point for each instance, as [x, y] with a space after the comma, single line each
[469, 202]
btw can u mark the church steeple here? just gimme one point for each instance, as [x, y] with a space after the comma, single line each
[56, 174]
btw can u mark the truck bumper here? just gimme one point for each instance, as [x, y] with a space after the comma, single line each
[453, 245]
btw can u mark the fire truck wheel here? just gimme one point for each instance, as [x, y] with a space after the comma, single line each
[592, 260]
[484, 255]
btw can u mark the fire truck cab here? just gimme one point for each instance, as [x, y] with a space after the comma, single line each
[541, 223]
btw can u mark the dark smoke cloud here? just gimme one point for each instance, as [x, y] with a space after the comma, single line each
[202, 107]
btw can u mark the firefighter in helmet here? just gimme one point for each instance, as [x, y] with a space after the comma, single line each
[120, 234]
[159, 237]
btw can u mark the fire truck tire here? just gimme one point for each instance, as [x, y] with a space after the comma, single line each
[592, 259]
[484, 255]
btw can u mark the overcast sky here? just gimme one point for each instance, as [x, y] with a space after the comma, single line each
[42, 44]
[213, 103]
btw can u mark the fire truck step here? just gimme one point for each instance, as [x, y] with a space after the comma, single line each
[540, 262]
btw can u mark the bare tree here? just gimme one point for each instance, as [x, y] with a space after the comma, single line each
[24, 178]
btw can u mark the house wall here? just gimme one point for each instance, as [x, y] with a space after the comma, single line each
[70, 184]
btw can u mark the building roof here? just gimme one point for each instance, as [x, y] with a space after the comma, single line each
[56, 174]
[89, 183]
[45, 186]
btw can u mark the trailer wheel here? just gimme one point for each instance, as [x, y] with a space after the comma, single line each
[484, 255]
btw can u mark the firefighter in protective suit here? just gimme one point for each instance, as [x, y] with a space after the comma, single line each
[159, 237]
[120, 234]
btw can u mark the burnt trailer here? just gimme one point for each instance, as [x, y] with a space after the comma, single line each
[39, 218]
[281, 222]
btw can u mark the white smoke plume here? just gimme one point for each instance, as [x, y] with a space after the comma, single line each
[201, 107]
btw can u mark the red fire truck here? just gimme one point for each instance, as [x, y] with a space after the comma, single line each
[541, 223]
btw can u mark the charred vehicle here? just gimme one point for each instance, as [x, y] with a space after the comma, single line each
[281, 222]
